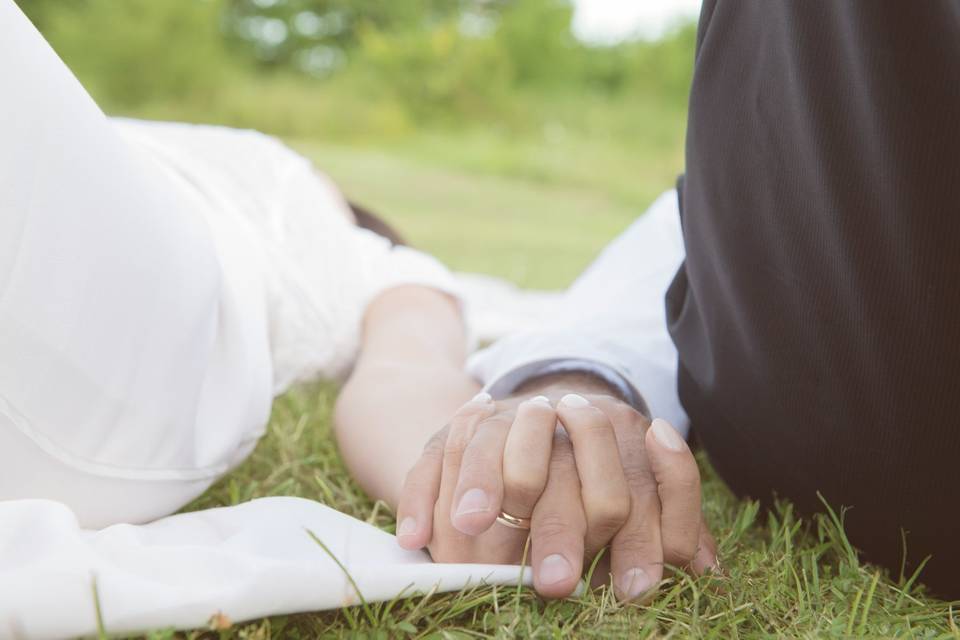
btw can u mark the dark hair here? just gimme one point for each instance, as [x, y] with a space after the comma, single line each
[373, 222]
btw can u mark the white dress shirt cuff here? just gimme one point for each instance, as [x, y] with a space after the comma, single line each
[507, 364]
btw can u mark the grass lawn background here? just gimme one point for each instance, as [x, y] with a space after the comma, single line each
[494, 209]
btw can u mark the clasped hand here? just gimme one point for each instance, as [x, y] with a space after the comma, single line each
[587, 470]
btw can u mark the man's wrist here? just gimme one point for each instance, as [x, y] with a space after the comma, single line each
[591, 376]
[566, 382]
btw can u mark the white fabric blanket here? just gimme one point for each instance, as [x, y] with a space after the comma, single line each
[248, 561]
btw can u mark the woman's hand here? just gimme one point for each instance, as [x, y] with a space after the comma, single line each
[607, 478]
[486, 461]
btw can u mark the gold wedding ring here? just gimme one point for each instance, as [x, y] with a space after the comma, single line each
[513, 522]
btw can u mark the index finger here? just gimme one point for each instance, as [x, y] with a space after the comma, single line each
[420, 492]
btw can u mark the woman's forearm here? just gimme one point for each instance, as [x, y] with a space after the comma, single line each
[408, 380]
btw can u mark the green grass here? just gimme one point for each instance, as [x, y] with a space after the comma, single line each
[782, 576]
[518, 229]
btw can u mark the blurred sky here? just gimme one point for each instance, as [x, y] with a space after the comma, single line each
[613, 20]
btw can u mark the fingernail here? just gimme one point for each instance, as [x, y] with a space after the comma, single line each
[473, 501]
[540, 400]
[705, 562]
[666, 435]
[574, 401]
[554, 569]
[407, 526]
[635, 583]
[482, 397]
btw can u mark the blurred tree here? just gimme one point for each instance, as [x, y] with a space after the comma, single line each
[131, 52]
[393, 64]
[536, 36]
[317, 36]
[437, 71]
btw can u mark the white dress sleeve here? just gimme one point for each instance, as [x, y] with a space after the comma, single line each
[320, 270]
[159, 282]
[131, 324]
[323, 272]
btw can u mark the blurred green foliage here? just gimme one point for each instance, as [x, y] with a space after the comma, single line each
[129, 53]
[349, 69]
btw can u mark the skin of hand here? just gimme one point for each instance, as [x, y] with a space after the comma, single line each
[586, 468]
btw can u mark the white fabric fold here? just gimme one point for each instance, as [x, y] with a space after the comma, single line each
[247, 561]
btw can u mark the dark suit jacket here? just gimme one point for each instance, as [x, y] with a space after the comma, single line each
[817, 315]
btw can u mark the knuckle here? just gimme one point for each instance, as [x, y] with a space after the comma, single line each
[476, 465]
[601, 534]
[554, 526]
[498, 420]
[470, 410]
[608, 513]
[535, 409]
[526, 454]
[640, 478]
[523, 487]
[435, 445]
[591, 426]
[679, 554]
[637, 540]
[469, 416]
[686, 478]
[621, 413]
[587, 418]
[454, 447]
[414, 483]
[456, 442]
[419, 482]
[597, 427]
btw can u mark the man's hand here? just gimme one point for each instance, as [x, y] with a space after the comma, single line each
[606, 478]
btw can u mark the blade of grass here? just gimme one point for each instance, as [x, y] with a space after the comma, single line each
[98, 611]
[363, 601]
